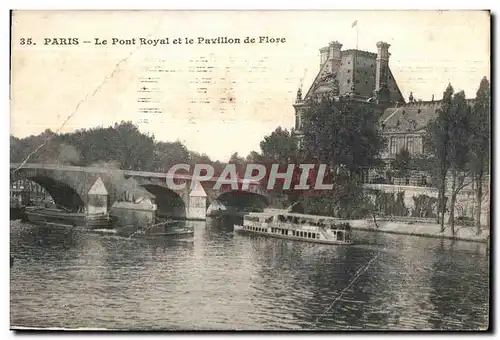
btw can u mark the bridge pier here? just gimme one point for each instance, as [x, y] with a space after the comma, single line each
[97, 202]
[197, 204]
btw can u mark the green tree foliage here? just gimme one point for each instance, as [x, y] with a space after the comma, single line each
[121, 145]
[280, 146]
[458, 142]
[437, 144]
[342, 133]
[459, 149]
[402, 163]
[345, 200]
[239, 162]
[255, 157]
[43, 148]
[480, 130]
[167, 154]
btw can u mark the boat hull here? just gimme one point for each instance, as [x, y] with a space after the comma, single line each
[67, 219]
[240, 229]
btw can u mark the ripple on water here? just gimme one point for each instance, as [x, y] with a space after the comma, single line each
[67, 278]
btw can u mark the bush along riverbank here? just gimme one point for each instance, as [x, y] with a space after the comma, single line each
[420, 228]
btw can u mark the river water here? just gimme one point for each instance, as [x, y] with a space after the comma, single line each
[73, 278]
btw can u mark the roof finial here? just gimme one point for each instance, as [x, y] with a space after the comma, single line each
[299, 95]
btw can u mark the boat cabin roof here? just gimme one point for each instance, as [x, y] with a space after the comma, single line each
[298, 218]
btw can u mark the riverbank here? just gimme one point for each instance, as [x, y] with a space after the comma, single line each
[462, 233]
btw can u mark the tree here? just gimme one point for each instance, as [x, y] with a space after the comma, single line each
[137, 149]
[236, 159]
[168, 154]
[16, 150]
[342, 133]
[280, 146]
[239, 162]
[120, 146]
[402, 162]
[436, 141]
[480, 143]
[253, 157]
[459, 149]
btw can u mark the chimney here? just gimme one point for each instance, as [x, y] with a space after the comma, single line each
[332, 55]
[382, 70]
[323, 52]
[335, 48]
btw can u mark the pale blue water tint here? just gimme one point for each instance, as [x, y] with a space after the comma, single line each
[73, 278]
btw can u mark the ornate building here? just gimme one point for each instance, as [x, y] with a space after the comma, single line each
[404, 126]
[365, 76]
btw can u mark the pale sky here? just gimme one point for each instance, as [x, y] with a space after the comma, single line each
[250, 88]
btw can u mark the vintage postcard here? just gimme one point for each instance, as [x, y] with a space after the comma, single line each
[250, 170]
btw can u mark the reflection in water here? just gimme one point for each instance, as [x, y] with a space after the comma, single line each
[73, 278]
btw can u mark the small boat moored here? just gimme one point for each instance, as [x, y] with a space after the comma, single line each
[167, 228]
[300, 227]
[64, 217]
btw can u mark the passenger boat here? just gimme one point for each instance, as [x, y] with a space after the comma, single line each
[64, 217]
[300, 227]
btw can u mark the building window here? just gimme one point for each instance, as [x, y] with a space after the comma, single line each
[418, 145]
[348, 81]
[410, 145]
[349, 71]
[401, 143]
[394, 146]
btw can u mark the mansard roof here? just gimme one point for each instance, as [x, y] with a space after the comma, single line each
[341, 74]
[411, 117]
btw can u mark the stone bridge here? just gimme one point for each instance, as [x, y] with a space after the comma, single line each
[72, 187]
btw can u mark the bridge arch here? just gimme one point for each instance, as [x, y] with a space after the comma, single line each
[240, 200]
[61, 193]
[168, 202]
